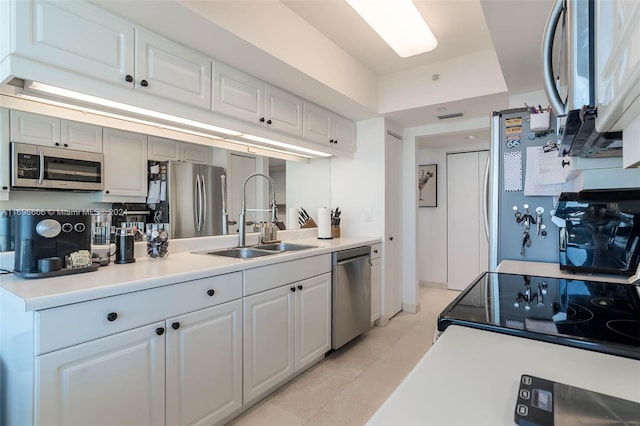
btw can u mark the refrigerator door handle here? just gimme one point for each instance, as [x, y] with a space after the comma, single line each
[559, 106]
[198, 202]
[203, 189]
[485, 198]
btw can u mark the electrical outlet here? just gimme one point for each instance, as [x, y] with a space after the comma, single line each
[367, 215]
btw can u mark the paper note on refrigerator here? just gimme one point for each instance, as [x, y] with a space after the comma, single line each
[547, 166]
[531, 185]
[513, 171]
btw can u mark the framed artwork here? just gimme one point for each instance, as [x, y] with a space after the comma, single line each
[428, 185]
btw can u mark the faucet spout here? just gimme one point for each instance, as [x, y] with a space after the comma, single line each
[243, 210]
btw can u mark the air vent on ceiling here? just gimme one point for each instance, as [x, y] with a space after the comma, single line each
[452, 115]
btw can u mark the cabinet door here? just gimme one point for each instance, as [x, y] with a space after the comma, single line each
[317, 123]
[283, 111]
[5, 158]
[268, 340]
[313, 319]
[125, 163]
[36, 129]
[81, 136]
[116, 380]
[75, 36]
[193, 153]
[161, 149]
[238, 94]
[376, 283]
[344, 134]
[167, 69]
[204, 365]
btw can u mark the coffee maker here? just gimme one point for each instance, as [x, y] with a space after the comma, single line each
[51, 242]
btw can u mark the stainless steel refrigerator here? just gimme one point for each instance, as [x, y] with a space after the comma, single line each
[511, 137]
[195, 199]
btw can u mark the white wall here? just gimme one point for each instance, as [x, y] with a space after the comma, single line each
[309, 186]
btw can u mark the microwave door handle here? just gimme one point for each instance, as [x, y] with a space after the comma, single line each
[41, 171]
[204, 203]
[557, 104]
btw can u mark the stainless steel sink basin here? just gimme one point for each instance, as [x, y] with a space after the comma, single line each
[240, 252]
[280, 247]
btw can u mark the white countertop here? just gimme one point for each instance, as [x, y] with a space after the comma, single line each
[144, 274]
[471, 377]
[552, 270]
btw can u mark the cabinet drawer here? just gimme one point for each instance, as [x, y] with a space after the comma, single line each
[376, 251]
[68, 325]
[272, 276]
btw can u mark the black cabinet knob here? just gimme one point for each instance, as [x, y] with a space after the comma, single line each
[390, 238]
[268, 121]
[144, 83]
[211, 292]
[293, 289]
[112, 316]
[128, 78]
[66, 145]
[106, 192]
[299, 287]
[175, 325]
[4, 188]
[375, 251]
[335, 141]
[57, 144]
[160, 331]
[330, 140]
[262, 119]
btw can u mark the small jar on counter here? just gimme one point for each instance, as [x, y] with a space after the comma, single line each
[157, 240]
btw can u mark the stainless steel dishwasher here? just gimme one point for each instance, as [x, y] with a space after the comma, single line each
[351, 295]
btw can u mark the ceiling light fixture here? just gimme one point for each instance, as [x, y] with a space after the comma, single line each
[107, 108]
[399, 23]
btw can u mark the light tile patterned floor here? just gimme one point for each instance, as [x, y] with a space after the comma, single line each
[349, 385]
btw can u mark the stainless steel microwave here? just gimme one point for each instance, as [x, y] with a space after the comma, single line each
[41, 167]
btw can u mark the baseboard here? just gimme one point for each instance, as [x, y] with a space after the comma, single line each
[411, 308]
[430, 284]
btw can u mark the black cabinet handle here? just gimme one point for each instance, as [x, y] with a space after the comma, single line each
[106, 192]
[268, 121]
[175, 325]
[299, 287]
[57, 144]
[390, 238]
[375, 251]
[112, 316]
[144, 83]
[128, 78]
[160, 331]
[4, 188]
[293, 289]
[66, 145]
[211, 292]
[330, 140]
[262, 119]
[335, 141]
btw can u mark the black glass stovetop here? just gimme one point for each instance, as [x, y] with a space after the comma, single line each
[599, 316]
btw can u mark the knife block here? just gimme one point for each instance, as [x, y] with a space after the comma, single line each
[335, 231]
[309, 223]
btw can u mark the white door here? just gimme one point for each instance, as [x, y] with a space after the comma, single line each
[392, 284]
[313, 319]
[169, 70]
[467, 245]
[283, 111]
[269, 334]
[125, 163]
[115, 380]
[204, 365]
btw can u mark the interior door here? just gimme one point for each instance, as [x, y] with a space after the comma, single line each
[392, 286]
[467, 244]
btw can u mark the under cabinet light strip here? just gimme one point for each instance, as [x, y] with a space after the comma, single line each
[33, 89]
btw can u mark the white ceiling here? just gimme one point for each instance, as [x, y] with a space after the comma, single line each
[323, 51]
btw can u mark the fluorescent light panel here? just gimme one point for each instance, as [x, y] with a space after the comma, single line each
[399, 23]
[34, 87]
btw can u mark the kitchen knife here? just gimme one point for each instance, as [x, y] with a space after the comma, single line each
[305, 215]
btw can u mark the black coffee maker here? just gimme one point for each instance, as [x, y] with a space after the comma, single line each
[51, 242]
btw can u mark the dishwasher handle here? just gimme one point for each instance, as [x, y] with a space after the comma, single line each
[352, 260]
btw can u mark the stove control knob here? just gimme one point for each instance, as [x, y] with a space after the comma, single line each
[48, 228]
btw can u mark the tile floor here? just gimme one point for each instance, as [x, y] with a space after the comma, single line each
[349, 385]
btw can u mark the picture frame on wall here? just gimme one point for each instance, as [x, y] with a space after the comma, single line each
[428, 185]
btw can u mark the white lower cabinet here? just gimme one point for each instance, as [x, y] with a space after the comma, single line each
[117, 379]
[376, 281]
[285, 330]
[204, 365]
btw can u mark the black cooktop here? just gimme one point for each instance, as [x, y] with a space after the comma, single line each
[598, 316]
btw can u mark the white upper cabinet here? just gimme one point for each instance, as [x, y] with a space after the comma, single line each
[328, 129]
[167, 69]
[125, 163]
[75, 36]
[161, 149]
[80, 136]
[35, 129]
[247, 98]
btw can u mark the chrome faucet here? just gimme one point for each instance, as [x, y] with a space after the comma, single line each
[241, 220]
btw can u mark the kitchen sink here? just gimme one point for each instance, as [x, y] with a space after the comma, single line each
[240, 252]
[281, 247]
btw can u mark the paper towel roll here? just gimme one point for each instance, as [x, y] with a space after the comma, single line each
[324, 223]
[292, 220]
